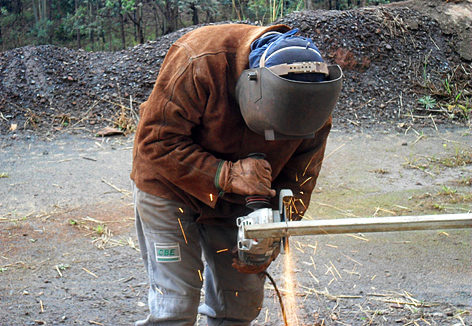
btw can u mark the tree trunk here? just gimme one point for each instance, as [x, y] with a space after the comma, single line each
[122, 26]
[209, 18]
[170, 13]
[91, 35]
[139, 21]
[110, 48]
[171, 17]
[17, 7]
[104, 40]
[308, 5]
[79, 45]
[194, 13]
[35, 10]
[156, 18]
[49, 10]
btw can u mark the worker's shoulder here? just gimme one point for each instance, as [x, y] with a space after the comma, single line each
[221, 31]
[214, 39]
[227, 38]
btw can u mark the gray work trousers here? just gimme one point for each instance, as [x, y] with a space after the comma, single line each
[171, 245]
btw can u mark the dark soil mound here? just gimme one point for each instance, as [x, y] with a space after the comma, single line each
[391, 57]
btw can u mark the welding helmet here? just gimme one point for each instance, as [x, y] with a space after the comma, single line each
[288, 92]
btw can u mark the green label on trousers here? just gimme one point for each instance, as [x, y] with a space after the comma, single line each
[167, 252]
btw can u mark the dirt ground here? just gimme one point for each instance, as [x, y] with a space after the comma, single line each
[68, 251]
[69, 254]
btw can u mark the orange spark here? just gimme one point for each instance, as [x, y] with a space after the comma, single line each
[183, 231]
[291, 302]
[301, 201]
[294, 206]
[308, 179]
[322, 159]
[222, 250]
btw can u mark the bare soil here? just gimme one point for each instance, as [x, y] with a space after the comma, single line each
[68, 250]
[69, 253]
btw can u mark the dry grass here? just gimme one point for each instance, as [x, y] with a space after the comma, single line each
[32, 119]
[125, 118]
[433, 165]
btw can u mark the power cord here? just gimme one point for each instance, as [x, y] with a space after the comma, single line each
[278, 295]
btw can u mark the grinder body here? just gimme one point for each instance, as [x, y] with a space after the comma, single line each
[259, 251]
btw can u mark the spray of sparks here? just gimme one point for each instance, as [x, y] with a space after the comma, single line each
[291, 306]
[291, 207]
[309, 163]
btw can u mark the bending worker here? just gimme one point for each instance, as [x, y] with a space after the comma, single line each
[224, 92]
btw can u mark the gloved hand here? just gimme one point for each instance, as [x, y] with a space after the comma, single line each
[248, 176]
[252, 269]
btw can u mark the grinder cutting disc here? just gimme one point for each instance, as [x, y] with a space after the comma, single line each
[284, 246]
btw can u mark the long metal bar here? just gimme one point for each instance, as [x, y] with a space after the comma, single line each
[355, 225]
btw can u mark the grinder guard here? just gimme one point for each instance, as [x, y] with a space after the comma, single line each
[280, 108]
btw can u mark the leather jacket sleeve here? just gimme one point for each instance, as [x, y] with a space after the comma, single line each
[167, 120]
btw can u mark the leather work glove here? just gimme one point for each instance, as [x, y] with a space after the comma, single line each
[248, 176]
[252, 269]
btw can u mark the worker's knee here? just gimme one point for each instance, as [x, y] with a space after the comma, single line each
[237, 308]
[173, 310]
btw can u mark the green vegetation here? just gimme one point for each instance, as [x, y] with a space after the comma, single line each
[461, 157]
[428, 102]
[62, 266]
[109, 25]
[449, 97]
[99, 229]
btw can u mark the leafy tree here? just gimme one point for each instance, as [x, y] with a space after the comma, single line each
[91, 24]
[209, 8]
[170, 14]
[119, 7]
[267, 11]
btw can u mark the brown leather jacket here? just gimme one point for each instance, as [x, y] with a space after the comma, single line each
[191, 121]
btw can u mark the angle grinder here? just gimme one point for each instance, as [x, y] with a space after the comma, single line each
[259, 251]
